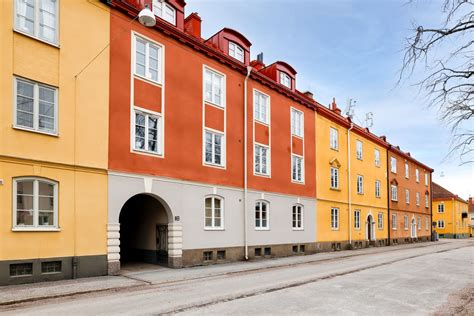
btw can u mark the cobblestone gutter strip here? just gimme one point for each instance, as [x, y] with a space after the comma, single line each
[459, 303]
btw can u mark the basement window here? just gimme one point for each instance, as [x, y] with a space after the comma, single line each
[207, 256]
[220, 254]
[51, 267]
[268, 251]
[295, 249]
[302, 248]
[21, 269]
[258, 252]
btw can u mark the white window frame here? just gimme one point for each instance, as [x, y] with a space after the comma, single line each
[426, 179]
[427, 203]
[405, 222]
[334, 178]
[393, 164]
[417, 198]
[213, 149]
[334, 218]
[333, 138]
[159, 138]
[426, 223]
[394, 191]
[215, 75]
[441, 208]
[297, 123]
[378, 186]
[36, 22]
[36, 107]
[294, 158]
[357, 219]
[147, 76]
[297, 224]
[417, 175]
[261, 227]
[285, 79]
[407, 196]
[407, 170]
[260, 147]
[441, 221]
[213, 214]
[359, 150]
[236, 51]
[377, 157]
[35, 226]
[418, 222]
[394, 221]
[159, 9]
[259, 115]
[360, 184]
[380, 221]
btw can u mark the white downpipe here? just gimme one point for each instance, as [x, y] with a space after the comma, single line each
[246, 246]
[349, 180]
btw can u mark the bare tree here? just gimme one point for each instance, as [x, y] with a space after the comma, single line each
[447, 53]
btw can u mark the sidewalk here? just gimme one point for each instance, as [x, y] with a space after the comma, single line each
[134, 279]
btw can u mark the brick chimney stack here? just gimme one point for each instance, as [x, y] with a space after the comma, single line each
[192, 25]
[334, 107]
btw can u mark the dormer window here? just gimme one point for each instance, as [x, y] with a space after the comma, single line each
[165, 11]
[236, 51]
[285, 80]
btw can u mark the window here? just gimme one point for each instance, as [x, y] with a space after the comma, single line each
[213, 87]
[407, 170]
[334, 178]
[297, 219]
[297, 167]
[51, 267]
[262, 215]
[393, 164]
[334, 138]
[417, 197]
[377, 188]
[426, 179]
[419, 223]
[147, 59]
[35, 203]
[405, 222]
[267, 251]
[357, 219]
[36, 106]
[380, 221]
[214, 148]
[37, 18]
[334, 218]
[394, 192]
[147, 132]
[394, 221]
[417, 175]
[285, 79]
[214, 218]
[377, 157]
[441, 224]
[165, 11]
[236, 51]
[21, 269]
[441, 208]
[427, 201]
[407, 196]
[207, 256]
[360, 184]
[261, 160]
[220, 254]
[296, 123]
[426, 224]
[359, 150]
[258, 252]
[261, 107]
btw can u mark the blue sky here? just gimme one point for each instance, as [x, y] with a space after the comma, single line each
[350, 49]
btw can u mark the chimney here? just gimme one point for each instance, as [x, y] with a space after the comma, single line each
[384, 138]
[334, 107]
[257, 65]
[309, 94]
[471, 200]
[192, 25]
[408, 153]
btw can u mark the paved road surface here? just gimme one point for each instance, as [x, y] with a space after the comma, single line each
[382, 281]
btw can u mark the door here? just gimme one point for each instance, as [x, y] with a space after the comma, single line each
[162, 243]
[413, 228]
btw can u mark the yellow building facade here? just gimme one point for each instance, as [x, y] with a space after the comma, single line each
[351, 183]
[451, 216]
[53, 139]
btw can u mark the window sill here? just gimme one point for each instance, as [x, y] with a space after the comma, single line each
[298, 229]
[212, 165]
[35, 229]
[258, 174]
[148, 80]
[335, 189]
[214, 228]
[267, 124]
[262, 229]
[26, 129]
[222, 107]
[147, 153]
[36, 38]
[297, 136]
[335, 149]
[297, 182]
[335, 229]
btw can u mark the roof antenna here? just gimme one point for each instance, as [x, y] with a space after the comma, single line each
[350, 108]
[369, 119]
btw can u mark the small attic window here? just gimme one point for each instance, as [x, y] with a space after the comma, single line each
[165, 11]
[236, 51]
[285, 79]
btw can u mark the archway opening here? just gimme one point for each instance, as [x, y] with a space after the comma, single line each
[143, 231]
[370, 228]
[413, 228]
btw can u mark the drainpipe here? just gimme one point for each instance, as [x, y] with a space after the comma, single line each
[246, 246]
[454, 209]
[389, 228]
[349, 180]
[431, 206]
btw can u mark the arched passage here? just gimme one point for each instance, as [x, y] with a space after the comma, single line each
[370, 229]
[144, 223]
[413, 228]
